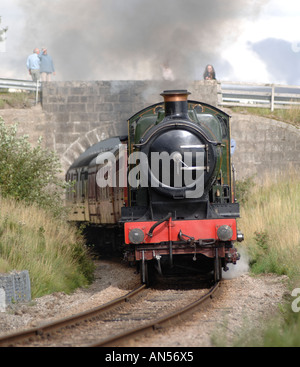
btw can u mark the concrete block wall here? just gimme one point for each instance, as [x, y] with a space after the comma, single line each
[14, 288]
[264, 146]
[82, 113]
[76, 115]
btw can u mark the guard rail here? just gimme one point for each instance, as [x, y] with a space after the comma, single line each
[20, 84]
[258, 95]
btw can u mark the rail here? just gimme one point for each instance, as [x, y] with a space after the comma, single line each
[48, 328]
[20, 84]
[158, 323]
[258, 95]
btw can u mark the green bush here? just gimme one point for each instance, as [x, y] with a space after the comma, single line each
[33, 232]
[29, 174]
[265, 258]
[243, 189]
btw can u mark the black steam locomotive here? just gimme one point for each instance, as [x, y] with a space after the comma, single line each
[165, 191]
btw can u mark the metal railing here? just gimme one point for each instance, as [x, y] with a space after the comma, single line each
[258, 95]
[19, 84]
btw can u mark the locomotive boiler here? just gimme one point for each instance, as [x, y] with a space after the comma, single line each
[165, 191]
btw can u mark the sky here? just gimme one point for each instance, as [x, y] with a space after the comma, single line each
[246, 40]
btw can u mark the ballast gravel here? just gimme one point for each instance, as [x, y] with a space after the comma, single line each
[244, 303]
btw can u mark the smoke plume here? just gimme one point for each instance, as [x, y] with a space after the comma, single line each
[133, 39]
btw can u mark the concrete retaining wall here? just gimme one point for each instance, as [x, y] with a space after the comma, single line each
[264, 146]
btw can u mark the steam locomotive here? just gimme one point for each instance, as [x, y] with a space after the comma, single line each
[165, 191]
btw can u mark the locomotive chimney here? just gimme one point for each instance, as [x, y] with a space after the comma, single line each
[176, 104]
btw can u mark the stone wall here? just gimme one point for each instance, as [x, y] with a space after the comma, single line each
[82, 113]
[76, 115]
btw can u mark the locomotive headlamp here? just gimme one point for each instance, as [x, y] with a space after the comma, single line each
[224, 233]
[136, 236]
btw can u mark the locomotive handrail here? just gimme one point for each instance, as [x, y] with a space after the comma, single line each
[150, 233]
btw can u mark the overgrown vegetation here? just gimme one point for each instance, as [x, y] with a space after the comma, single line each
[270, 222]
[27, 173]
[52, 251]
[33, 232]
[290, 115]
[16, 99]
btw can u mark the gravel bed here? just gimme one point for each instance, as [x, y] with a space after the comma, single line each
[244, 302]
[242, 306]
[112, 280]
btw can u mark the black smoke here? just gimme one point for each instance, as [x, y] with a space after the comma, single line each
[133, 39]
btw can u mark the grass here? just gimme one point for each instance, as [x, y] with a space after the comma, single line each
[15, 99]
[52, 251]
[270, 220]
[290, 115]
[34, 235]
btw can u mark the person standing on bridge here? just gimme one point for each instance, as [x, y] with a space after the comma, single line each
[209, 73]
[47, 67]
[33, 65]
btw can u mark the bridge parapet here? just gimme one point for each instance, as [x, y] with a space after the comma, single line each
[76, 115]
[82, 113]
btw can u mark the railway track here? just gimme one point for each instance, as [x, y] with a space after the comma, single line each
[158, 323]
[115, 322]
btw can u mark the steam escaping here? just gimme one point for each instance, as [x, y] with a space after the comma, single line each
[241, 267]
[133, 39]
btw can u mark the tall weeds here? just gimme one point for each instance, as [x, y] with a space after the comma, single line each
[33, 235]
[271, 224]
[270, 220]
[51, 250]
